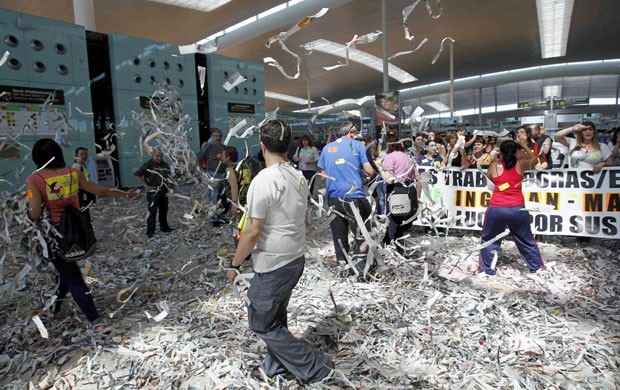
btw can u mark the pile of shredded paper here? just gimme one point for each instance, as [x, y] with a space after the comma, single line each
[422, 321]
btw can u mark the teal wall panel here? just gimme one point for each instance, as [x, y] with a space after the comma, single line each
[250, 93]
[138, 67]
[53, 46]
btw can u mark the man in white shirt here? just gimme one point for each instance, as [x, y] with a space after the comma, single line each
[275, 235]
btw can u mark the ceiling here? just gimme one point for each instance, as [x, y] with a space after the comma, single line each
[490, 35]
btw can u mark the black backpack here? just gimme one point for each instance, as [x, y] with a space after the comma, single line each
[77, 240]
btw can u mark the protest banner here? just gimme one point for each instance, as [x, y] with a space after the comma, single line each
[570, 202]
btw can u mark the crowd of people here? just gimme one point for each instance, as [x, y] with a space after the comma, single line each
[275, 200]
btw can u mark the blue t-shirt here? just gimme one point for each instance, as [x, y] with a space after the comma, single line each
[424, 161]
[342, 160]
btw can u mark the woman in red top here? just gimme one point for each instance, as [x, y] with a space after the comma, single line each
[53, 185]
[506, 208]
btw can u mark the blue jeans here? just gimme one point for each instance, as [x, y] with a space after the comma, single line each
[517, 220]
[269, 295]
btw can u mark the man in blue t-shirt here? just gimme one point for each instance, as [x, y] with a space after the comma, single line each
[343, 161]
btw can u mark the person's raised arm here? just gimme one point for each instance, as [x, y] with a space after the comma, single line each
[105, 191]
[560, 136]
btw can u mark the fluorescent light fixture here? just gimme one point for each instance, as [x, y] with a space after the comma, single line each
[286, 98]
[439, 106]
[199, 5]
[470, 111]
[487, 109]
[602, 101]
[508, 107]
[552, 91]
[363, 58]
[553, 26]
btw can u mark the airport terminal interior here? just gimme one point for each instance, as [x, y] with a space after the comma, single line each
[124, 79]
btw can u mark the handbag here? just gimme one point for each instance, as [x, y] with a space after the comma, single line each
[403, 200]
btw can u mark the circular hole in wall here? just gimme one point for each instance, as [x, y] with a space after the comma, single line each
[60, 48]
[36, 45]
[181, 83]
[38, 67]
[254, 92]
[167, 80]
[152, 63]
[137, 79]
[253, 79]
[14, 64]
[135, 61]
[166, 65]
[179, 67]
[62, 69]
[225, 74]
[245, 91]
[153, 80]
[236, 89]
[11, 40]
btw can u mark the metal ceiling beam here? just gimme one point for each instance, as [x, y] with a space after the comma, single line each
[611, 67]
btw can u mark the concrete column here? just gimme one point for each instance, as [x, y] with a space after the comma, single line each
[84, 13]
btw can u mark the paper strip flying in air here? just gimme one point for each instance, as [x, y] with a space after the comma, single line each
[402, 53]
[359, 103]
[233, 132]
[84, 113]
[364, 39]
[441, 49]
[5, 56]
[233, 81]
[430, 10]
[204, 48]
[283, 36]
[384, 112]
[356, 113]
[412, 116]
[202, 77]
[406, 12]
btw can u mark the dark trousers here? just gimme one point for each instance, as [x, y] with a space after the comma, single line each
[156, 201]
[517, 220]
[269, 295]
[340, 226]
[70, 280]
[308, 175]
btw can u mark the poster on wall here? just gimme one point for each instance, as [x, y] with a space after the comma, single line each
[22, 111]
[387, 109]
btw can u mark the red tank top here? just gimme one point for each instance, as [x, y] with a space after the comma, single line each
[58, 188]
[507, 189]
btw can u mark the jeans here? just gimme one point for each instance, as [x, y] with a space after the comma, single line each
[517, 220]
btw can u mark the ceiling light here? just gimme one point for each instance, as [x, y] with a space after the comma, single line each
[552, 91]
[439, 106]
[286, 98]
[553, 26]
[199, 5]
[355, 55]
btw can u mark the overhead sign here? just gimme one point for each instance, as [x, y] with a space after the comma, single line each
[563, 103]
[544, 105]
